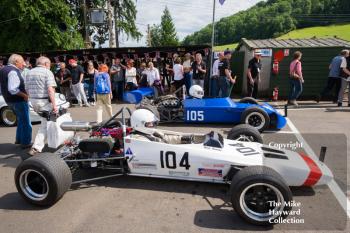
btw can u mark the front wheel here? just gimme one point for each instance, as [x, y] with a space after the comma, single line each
[260, 195]
[245, 133]
[256, 117]
[43, 179]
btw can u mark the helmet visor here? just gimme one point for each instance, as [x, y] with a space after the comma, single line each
[151, 124]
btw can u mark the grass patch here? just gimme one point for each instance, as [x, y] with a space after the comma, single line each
[340, 31]
[221, 48]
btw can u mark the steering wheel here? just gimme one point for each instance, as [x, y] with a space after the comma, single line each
[121, 111]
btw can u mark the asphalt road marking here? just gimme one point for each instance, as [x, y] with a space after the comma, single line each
[333, 186]
[280, 132]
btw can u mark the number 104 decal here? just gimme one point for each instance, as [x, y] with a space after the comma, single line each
[195, 115]
[169, 159]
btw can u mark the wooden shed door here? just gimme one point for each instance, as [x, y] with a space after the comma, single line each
[237, 66]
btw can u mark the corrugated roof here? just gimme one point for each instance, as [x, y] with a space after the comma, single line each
[294, 43]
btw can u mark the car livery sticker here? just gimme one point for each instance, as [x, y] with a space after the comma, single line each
[244, 149]
[175, 173]
[315, 172]
[150, 166]
[128, 151]
[213, 165]
[209, 172]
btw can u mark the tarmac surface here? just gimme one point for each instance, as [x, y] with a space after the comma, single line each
[136, 204]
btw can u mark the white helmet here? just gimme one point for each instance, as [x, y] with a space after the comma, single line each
[196, 91]
[143, 118]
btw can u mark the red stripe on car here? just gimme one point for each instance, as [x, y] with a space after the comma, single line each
[315, 172]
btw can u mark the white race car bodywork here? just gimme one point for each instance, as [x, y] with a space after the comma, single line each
[198, 162]
[34, 117]
[257, 174]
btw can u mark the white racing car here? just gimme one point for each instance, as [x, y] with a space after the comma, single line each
[259, 176]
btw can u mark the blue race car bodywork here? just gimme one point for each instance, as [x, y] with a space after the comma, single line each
[136, 96]
[261, 116]
[225, 110]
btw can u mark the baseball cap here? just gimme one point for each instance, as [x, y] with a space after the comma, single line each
[257, 52]
[71, 61]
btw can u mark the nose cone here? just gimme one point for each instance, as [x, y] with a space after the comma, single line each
[319, 173]
[327, 175]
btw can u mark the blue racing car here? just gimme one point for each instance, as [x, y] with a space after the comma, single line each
[194, 109]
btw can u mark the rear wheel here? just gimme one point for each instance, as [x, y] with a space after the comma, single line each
[256, 117]
[260, 195]
[43, 179]
[8, 117]
[248, 100]
[245, 133]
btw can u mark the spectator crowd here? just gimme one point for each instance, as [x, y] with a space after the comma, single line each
[77, 79]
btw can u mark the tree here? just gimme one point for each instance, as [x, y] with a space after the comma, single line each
[125, 20]
[164, 34]
[37, 26]
[155, 32]
[167, 30]
[272, 18]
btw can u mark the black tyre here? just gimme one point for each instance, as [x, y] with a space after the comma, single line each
[245, 133]
[248, 100]
[259, 195]
[256, 117]
[43, 179]
[8, 117]
[151, 108]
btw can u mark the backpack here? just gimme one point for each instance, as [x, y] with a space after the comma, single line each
[102, 85]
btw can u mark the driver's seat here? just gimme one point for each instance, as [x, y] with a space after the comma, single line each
[214, 139]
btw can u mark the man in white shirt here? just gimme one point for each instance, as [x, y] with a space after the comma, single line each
[40, 84]
[345, 80]
[153, 78]
[215, 76]
[187, 64]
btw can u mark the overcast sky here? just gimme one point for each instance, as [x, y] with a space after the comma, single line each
[188, 15]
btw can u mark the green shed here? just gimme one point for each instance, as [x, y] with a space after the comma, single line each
[317, 55]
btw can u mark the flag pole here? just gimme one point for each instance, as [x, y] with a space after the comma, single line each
[212, 37]
[212, 47]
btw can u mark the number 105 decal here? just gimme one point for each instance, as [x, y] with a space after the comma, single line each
[195, 115]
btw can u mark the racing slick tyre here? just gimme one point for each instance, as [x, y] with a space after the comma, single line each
[8, 117]
[150, 108]
[43, 179]
[260, 195]
[256, 117]
[248, 100]
[245, 133]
